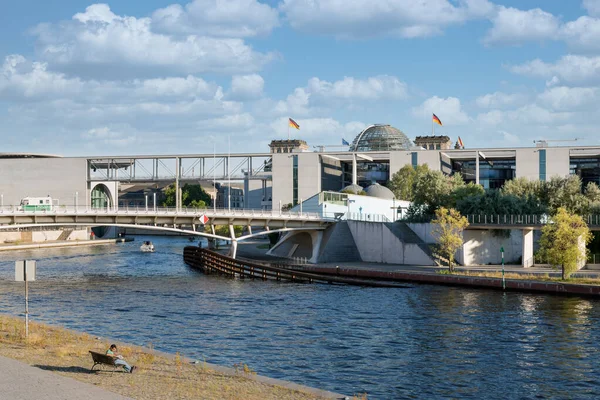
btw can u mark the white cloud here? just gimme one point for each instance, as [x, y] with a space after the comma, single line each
[101, 38]
[247, 86]
[513, 26]
[565, 98]
[233, 18]
[500, 100]
[582, 34]
[373, 88]
[592, 7]
[108, 136]
[295, 104]
[228, 123]
[569, 70]
[367, 18]
[22, 78]
[449, 110]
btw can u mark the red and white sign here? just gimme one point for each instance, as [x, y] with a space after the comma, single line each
[203, 219]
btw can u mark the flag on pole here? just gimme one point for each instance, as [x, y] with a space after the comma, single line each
[344, 143]
[460, 143]
[294, 124]
[437, 120]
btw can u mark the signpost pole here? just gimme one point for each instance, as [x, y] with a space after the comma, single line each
[503, 281]
[26, 303]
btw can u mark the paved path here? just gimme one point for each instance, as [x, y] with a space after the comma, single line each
[20, 381]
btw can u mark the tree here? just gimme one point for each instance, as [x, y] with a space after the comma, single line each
[592, 192]
[524, 188]
[467, 191]
[403, 181]
[448, 227]
[191, 196]
[563, 241]
[565, 192]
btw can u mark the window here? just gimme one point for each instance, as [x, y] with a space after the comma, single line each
[414, 159]
[542, 165]
[295, 179]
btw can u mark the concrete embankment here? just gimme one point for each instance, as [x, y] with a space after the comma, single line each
[524, 285]
[64, 243]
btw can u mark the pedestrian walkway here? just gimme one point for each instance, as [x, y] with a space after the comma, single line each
[20, 381]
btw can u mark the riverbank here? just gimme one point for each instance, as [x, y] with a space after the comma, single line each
[158, 375]
[62, 243]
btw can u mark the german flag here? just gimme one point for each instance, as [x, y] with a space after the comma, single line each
[460, 143]
[437, 120]
[294, 124]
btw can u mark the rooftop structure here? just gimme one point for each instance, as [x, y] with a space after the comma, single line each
[288, 146]
[433, 142]
[381, 137]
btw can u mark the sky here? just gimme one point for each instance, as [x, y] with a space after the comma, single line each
[126, 77]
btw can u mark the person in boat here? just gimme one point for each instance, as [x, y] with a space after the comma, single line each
[112, 351]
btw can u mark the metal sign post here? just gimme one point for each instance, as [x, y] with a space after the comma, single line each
[25, 272]
[503, 281]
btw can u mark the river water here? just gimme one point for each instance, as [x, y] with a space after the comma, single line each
[427, 341]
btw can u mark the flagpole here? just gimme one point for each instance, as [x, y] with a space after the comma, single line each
[288, 130]
[432, 126]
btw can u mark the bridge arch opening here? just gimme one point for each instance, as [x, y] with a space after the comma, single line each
[101, 197]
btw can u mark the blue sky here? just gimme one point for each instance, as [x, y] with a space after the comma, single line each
[130, 77]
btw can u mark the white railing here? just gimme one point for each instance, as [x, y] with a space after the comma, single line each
[164, 211]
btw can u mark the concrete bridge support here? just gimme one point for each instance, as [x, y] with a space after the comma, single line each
[527, 258]
[234, 243]
[299, 244]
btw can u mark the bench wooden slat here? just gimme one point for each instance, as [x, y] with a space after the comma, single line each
[100, 358]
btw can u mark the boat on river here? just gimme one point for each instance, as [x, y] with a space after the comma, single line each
[147, 247]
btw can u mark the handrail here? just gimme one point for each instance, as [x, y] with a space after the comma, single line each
[164, 211]
[521, 219]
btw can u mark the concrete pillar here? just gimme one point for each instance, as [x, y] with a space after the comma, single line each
[527, 258]
[249, 230]
[477, 167]
[354, 170]
[177, 203]
[233, 248]
[317, 239]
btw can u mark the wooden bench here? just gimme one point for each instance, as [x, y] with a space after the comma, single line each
[105, 359]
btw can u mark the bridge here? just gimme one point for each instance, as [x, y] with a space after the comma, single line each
[166, 219]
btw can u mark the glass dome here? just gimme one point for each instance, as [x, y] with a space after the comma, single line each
[381, 137]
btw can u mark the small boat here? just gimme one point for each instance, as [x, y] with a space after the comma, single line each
[147, 247]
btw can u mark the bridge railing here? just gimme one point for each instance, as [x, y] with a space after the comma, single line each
[233, 212]
[522, 220]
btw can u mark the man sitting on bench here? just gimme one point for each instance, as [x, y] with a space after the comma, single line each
[112, 351]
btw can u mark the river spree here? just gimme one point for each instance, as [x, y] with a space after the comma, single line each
[428, 341]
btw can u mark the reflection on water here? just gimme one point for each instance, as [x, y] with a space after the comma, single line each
[427, 342]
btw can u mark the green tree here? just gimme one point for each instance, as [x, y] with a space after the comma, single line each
[592, 192]
[565, 192]
[191, 196]
[564, 240]
[403, 181]
[448, 228]
[467, 191]
[524, 188]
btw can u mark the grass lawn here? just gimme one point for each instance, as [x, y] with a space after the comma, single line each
[66, 353]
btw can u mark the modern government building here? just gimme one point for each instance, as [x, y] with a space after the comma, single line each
[290, 172]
